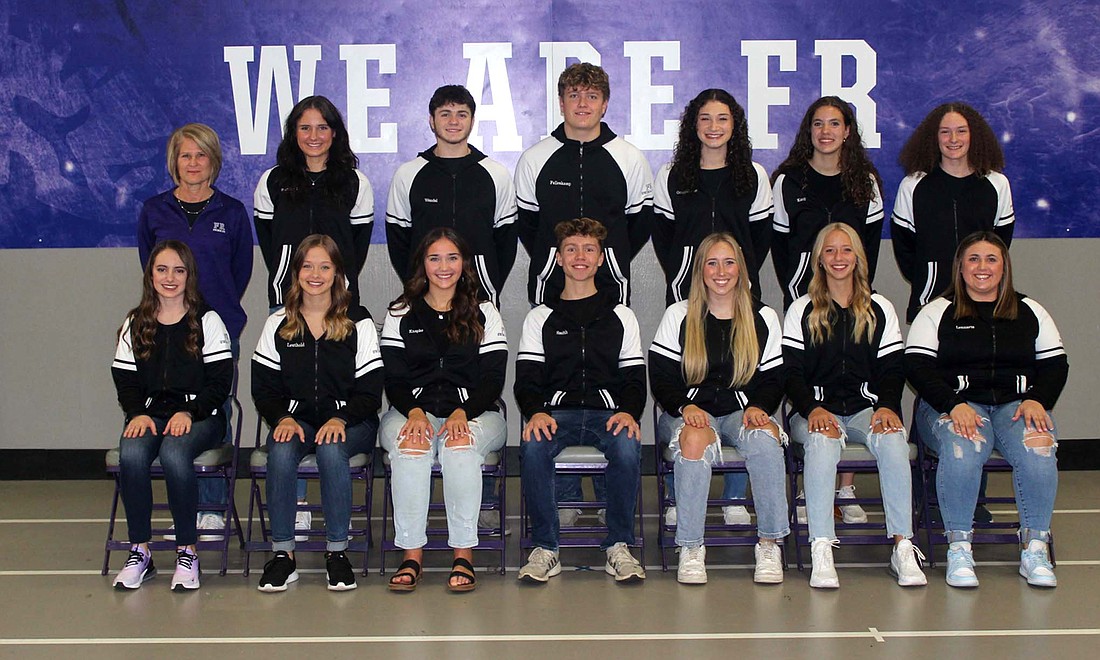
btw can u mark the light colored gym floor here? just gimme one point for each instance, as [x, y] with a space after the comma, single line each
[54, 600]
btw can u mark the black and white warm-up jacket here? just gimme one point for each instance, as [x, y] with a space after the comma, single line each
[594, 362]
[473, 195]
[171, 380]
[714, 394]
[800, 214]
[932, 213]
[607, 179]
[282, 223]
[985, 360]
[683, 218]
[315, 380]
[841, 375]
[425, 370]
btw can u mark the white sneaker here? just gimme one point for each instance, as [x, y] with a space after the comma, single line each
[210, 521]
[542, 564]
[693, 565]
[800, 510]
[670, 516]
[905, 564]
[568, 517]
[769, 564]
[622, 564]
[823, 575]
[850, 513]
[1035, 565]
[490, 519]
[601, 516]
[736, 515]
[303, 521]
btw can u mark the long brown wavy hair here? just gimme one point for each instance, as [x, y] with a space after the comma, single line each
[744, 344]
[921, 152]
[689, 148]
[143, 318]
[465, 323]
[337, 324]
[822, 314]
[1007, 301]
[856, 169]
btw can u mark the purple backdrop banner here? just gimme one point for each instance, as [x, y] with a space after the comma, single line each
[90, 89]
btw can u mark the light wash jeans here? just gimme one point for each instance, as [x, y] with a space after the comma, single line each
[462, 483]
[895, 477]
[1034, 469]
[763, 459]
[332, 467]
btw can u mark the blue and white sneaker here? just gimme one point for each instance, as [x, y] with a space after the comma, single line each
[1035, 565]
[960, 565]
[137, 569]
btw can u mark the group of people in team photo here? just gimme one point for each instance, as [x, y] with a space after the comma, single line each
[986, 361]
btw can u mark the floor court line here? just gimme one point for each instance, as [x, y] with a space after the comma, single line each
[882, 636]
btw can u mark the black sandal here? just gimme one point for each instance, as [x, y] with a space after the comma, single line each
[409, 567]
[469, 574]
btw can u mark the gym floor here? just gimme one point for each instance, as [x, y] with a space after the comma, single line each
[55, 601]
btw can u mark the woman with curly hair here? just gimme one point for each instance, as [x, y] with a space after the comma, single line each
[172, 370]
[317, 382]
[842, 352]
[827, 177]
[952, 188]
[446, 356]
[314, 188]
[711, 185]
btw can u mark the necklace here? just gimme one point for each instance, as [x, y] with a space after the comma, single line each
[193, 212]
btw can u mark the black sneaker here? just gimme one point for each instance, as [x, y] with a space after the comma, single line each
[278, 572]
[340, 575]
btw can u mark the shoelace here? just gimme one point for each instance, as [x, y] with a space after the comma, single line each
[134, 559]
[918, 555]
[185, 560]
[963, 557]
[1039, 558]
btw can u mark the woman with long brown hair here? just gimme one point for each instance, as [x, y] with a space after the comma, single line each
[446, 356]
[317, 382]
[172, 370]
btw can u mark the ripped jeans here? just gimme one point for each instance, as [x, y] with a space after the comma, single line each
[461, 467]
[891, 452]
[1034, 469]
[763, 459]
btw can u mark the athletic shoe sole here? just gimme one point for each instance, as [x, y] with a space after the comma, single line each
[149, 574]
[532, 578]
[271, 588]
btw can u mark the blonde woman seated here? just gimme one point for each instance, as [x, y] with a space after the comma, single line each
[843, 351]
[445, 355]
[715, 366]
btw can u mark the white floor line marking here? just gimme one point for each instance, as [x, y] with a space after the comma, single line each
[872, 633]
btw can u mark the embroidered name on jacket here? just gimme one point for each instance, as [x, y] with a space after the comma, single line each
[431, 200]
[567, 184]
[300, 344]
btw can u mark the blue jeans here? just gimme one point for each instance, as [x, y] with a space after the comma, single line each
[332, 466]
[624, 470]
[735, 486]
[1034, 469]
[765, 464]
[895, 477]
[461, 467]
[177, 457]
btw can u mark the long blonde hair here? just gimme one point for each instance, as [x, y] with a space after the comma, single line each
[822, 315]
[337, 324]
[744, 344]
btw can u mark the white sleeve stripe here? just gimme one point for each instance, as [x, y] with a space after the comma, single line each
[217, 356]
[922, 350]
[391, 342]
[493, 346]
[125, 366]
[401, 222]
[663, 351]
[266, 361]
[631, 362]
[761, 214]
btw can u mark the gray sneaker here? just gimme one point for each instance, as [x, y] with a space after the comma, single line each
[568, 517]
[542, 564]
[622, 564]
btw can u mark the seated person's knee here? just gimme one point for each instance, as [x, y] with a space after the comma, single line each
[694, 441]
